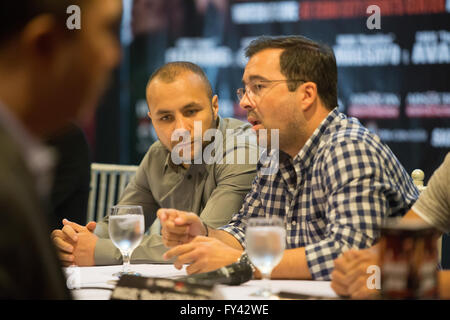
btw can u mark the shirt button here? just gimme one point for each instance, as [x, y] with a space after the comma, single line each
[294, 223]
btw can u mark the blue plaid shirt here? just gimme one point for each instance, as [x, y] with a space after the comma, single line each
[333, 195]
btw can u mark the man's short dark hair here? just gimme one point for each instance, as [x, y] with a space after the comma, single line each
[304, 59]
[15, 14]
[170, 71]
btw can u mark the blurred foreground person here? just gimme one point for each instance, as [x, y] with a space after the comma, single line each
[72, 174]
[49, 75]
[433, 207]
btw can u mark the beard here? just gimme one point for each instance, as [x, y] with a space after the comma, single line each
[294, 135]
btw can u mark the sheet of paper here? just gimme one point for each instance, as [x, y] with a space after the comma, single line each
[88, 281]
[320, 289]
[92, 279]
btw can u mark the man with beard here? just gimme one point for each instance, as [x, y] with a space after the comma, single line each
[180, 100]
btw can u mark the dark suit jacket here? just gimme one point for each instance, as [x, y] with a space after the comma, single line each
[29, 267]
[70, 189]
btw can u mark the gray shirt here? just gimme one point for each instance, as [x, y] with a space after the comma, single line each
[213, 191]
[433, 205]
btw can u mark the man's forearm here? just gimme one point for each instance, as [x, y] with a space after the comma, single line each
[225, 237]
[293, 265]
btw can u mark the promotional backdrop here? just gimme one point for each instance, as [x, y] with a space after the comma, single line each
[394, 76]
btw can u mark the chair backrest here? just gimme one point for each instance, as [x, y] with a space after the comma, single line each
[418, 176]
[107, 184]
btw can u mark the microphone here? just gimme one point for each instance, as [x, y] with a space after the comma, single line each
[232, 274]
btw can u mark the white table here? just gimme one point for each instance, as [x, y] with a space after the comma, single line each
[102, 277]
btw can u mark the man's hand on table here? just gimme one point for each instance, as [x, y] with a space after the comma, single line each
[349, 277]
[75, 243]
[184, 233]
[203, 254]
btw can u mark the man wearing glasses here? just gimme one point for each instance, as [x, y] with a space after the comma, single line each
[336, 180]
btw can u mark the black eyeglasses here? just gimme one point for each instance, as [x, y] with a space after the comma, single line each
[254, 88]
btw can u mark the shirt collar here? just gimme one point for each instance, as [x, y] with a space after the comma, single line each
[38, 158]
[170, 163]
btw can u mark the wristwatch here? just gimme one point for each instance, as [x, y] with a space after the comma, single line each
[245, 259]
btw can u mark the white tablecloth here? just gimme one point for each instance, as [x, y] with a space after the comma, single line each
[90, 280]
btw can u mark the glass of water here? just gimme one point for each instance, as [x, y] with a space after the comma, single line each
[265, 243]
[126, 230]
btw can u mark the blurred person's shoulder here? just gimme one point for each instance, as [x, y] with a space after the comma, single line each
[11, 160]
[446, 163]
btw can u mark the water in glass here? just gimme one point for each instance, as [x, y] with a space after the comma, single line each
[265, 243]
[126, 230]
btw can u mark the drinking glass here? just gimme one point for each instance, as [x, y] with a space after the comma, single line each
[126, 230]
[265, 243]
